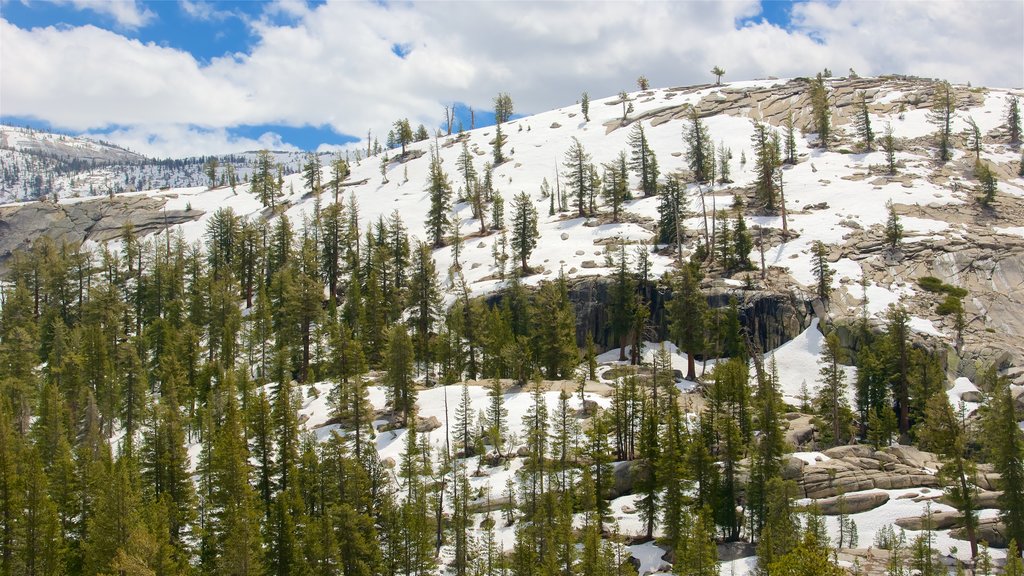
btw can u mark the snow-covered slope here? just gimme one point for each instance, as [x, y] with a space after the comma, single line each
[830, 194]
[35, 164]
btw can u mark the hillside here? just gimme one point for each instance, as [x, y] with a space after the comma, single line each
[838, 196]
[36, 164]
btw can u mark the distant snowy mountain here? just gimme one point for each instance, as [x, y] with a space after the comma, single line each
[35, 164]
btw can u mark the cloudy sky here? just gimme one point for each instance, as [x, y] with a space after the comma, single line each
[190, 77]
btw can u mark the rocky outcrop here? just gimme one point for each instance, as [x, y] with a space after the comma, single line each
[990, 530]
[855, 468]
[983, 257]
[852, 504]
[97, 219]
[773, 317]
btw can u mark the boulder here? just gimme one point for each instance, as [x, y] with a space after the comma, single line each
[622, 479]
[793, 468]
[424, 425]
[482, 505]
[990, 530]
[940, 521]
[852, 503]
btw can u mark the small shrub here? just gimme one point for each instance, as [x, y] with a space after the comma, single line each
[930, 284]
[936, 286]
[950, 305]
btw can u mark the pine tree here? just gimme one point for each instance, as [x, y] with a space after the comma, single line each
[585, 107]
[263, 184]
[403, 134]
[622, 301]
[643, 161]
[897, 334]
[260, 427]
[780, 533]
[790, 139]
[524, 229]
[893, 227]
[1004, 443]
[499, 141]
[503, 108]
[975, 138]
[686, 311]
[831, 401]
[718, 72]
[339, 172]
[742, 242]
[498, 212]
[724, 156]
[696, 552]
[116, 516]
[312, 174]
[820, 110]
[767, 161]
[943, 432]
[577, 163]
[862, 121]
[671, 214]
[555, 330]
[700, 152]
[941, 115]
[426, 300]
[439, 189]
[889, 146]
[1013, 119]
[234, 526]
[399, 364]
[987, 179]
[823, 273]
[616, 185]
[497, 415]
[210, 169]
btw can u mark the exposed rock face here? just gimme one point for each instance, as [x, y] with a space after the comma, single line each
[774, 318]
[980, 257]
[773, 104]
[861, 467]
[97, 219]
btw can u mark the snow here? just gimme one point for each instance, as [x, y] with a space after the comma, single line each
[961, 385]
[797, 362]
[880, 298]
[811, 458]
[1010, 230]
[649, 554]
[739, 567]
[923, 326]
[903, 504]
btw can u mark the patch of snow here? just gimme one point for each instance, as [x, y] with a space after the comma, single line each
[923, 326]
[811, 458]
[797, 362]
[961, 385]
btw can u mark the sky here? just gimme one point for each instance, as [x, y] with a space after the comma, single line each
[177, 78]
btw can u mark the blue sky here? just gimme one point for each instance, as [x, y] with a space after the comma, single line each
[203, 76]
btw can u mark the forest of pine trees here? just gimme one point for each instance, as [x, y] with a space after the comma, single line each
[150, 390]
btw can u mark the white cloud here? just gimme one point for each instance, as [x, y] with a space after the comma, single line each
[127, 13]
[177, 141]
[204, 11]
[333, 63]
